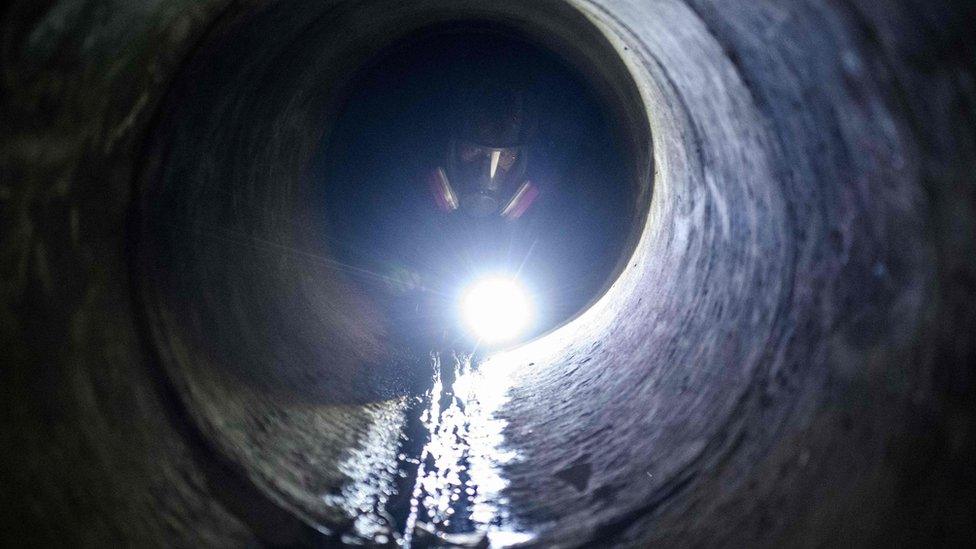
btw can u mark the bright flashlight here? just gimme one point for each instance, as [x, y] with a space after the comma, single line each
[495, 309]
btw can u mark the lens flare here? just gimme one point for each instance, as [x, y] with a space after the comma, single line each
[496, 309]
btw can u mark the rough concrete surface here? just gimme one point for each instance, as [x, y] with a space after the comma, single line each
[787, 356]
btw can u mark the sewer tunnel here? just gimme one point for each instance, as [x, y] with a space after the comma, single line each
[752, 265]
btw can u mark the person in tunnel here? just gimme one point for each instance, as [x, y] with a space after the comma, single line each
[442, 174]
[485, 170]
[482, 193]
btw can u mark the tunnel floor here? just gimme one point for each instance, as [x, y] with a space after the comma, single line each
[445, 487]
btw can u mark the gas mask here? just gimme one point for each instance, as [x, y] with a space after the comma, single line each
[485, 172]
[490, 183]
[486, 177]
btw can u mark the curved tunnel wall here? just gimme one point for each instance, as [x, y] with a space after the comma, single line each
[236, 236]
[785, 358]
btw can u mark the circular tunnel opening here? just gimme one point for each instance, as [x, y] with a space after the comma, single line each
[298, 268]
[290, 216]
[400, 213]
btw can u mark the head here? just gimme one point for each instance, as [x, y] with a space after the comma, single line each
[489, 151]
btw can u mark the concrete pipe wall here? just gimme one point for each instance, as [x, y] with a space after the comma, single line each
[784, 354]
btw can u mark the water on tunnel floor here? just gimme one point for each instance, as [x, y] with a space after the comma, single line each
[429, 471]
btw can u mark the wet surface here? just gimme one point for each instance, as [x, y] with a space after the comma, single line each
[429, 470]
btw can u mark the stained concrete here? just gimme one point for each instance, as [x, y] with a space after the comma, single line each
[786, 357]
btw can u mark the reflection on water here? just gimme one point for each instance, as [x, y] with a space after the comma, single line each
[429, 471]
[371, 469]
[457, 496]
[484, 390]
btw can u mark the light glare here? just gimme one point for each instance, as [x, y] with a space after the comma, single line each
[495, 309]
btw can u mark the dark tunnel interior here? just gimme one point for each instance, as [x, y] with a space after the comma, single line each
[237, 240]
[382, 223]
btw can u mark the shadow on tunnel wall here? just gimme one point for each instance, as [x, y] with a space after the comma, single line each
[777, 346]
